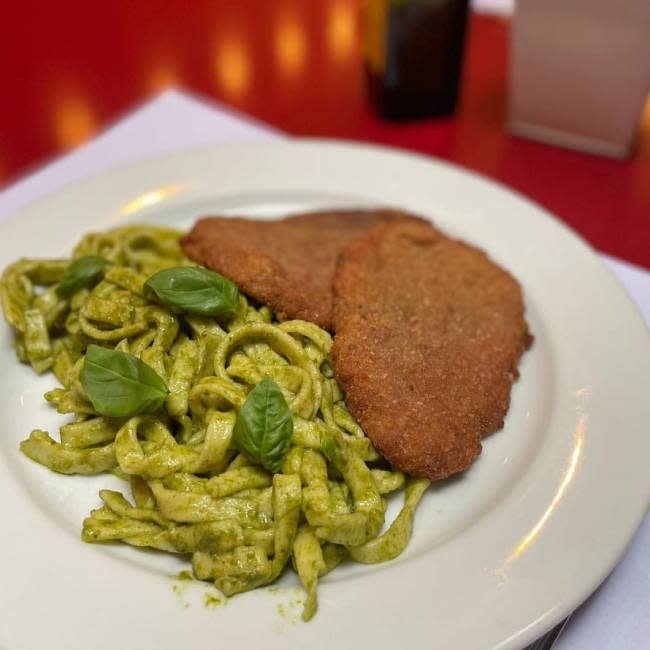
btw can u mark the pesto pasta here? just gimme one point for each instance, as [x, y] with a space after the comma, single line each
[230, 429]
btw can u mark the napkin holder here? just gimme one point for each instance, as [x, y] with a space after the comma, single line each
[580, 72]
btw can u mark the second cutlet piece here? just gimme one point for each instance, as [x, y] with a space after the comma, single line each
[429, 332]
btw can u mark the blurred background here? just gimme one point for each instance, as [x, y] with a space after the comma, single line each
[71, 68]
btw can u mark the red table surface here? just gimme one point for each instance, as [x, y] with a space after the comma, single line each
[69, 68]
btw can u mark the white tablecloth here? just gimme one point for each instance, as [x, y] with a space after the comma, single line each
[617, 616]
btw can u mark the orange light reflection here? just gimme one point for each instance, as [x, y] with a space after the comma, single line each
[569, 472]
[342, 30]
[73, 120]
[161, 77]
[232, 65]
[645, 116]
[147, 199]
[290, 45]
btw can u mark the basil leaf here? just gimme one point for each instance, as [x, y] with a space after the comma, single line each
[195, 290]
[83, 273]
[264, 426]
[119, 384]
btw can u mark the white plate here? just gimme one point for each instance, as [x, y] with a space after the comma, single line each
[499, 555]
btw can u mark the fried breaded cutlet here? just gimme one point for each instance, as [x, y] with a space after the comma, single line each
[429, 332]
[286, 264]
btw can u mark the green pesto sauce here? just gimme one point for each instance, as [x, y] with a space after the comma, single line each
[286, 613]
[211, 600]
[290, 609]
[180, 584]
[179, 590]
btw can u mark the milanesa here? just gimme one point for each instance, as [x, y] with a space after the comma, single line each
[429, 332]
[287, 264]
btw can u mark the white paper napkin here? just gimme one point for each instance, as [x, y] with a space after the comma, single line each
[616, 616]
[495, 7]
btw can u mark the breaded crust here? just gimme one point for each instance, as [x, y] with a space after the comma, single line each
[286, 264]
[429, 332]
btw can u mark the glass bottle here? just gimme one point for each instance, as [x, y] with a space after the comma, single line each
[413, 54]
